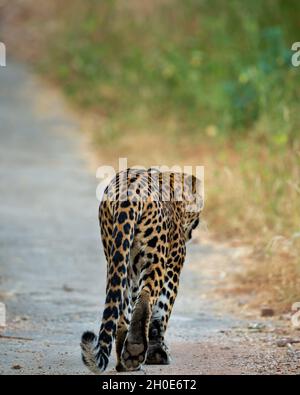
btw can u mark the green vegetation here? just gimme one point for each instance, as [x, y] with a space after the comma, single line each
[209, 82]
[199, 62]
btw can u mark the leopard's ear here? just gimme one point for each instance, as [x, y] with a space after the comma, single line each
[196, 184]
[192, 184]
[193, 192]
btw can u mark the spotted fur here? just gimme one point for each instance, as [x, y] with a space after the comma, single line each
[144, 230]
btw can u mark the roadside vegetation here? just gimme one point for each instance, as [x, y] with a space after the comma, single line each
[197, 83]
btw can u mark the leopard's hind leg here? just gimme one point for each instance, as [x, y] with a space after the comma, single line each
[136, 343]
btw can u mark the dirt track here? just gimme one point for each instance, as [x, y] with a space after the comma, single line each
[53, 269]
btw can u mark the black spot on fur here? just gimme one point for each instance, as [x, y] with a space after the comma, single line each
[125, 204]
[125, 244]
[148, 232]
[126, 228]
[105, 337]
[122, 269]
[136, 259]
[114, 296]
[109, 325]
[118, 240]
[122, 217]
[117, 258]
[152, 242]
[131, 214]
[152, 275]
[163, 238]
[110, 312]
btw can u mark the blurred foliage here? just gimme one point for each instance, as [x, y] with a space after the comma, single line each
[204, 62]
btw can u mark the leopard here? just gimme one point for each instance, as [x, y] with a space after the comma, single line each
[146, 217]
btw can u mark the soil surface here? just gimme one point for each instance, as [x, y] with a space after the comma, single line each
[53, 271]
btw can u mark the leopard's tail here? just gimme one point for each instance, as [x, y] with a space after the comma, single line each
[96, 349]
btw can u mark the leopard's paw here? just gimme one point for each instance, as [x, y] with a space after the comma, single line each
[134, 355]
[158, 354]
